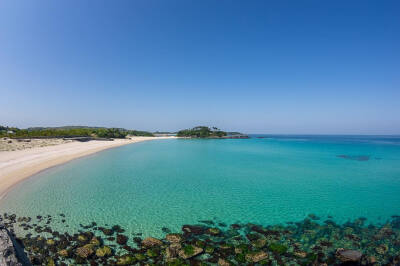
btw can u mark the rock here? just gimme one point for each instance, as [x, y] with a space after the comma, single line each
[140, 256]
[103, 251]
[50, 242]
[222, 262]
[63, 253]
[209, 249]
[106, 231]
[151, 253]
[50, 262]
[173, 238]
[126, 260]
[259, 243]
[213, 231]
[277, 248]
[371, 260]
[381, 249]
[300, 254]
[193, 229]
[121, 239]
[8, 254]
[348, 255]
[189, 251]
[95, 241]
[85, 251]
[151, 242]
[172, 250]
[82, 238]
[256, 256]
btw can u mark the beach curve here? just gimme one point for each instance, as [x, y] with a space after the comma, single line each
[16, 166]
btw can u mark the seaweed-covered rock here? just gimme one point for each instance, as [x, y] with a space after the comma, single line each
[189, 251]
[381, 249]
[172, 251]
[126, 260]
[277, 248]
[213, 231]
[95, 241]
[222, 262]
[103, 251]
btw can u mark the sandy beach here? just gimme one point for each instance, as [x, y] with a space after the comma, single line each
[18, 165]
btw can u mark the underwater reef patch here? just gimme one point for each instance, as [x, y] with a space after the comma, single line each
[307, 242]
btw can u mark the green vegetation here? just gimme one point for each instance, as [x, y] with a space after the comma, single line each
[64, 132]
[189, 250]
[202, 132]
[277, 248]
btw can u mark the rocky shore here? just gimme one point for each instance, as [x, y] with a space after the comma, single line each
[308, 242]
[9, 256]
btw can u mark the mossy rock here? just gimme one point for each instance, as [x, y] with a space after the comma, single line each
[50, 262]
[209, 249]
[277, 248]
[140, 256]
[126, 260]
[103, 251]
[200, 243]
[259, 243]
[95, 241]
[189, 251]
[177, 262]
[50, 242]
[151, 253]
[63, 253]
[213, 231]
[241, 258]
[82, 238]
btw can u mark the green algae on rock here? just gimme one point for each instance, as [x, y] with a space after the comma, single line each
[302, 243]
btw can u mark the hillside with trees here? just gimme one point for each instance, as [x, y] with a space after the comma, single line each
[202, 132]
[69, 132]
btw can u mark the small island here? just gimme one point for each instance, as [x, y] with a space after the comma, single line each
[209, 133]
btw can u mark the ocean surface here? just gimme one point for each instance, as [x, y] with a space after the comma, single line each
[267, 179]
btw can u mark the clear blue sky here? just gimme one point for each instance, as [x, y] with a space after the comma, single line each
[252, 66]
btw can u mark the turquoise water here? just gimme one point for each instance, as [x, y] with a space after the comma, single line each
[167, 183]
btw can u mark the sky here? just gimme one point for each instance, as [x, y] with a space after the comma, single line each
[282, 67]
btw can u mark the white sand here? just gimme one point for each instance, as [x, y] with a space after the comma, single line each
[18, 165]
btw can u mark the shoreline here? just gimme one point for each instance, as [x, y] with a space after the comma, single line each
[17, 166]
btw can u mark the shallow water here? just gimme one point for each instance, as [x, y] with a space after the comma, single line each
[167, 183]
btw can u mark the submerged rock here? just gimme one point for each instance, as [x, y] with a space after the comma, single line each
[121, 239]
[85, 251]
[151, 241]
[348, 255]
[256, 256]
[174, 238]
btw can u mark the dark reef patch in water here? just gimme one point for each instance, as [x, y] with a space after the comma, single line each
[354, 157]
[307, 242]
